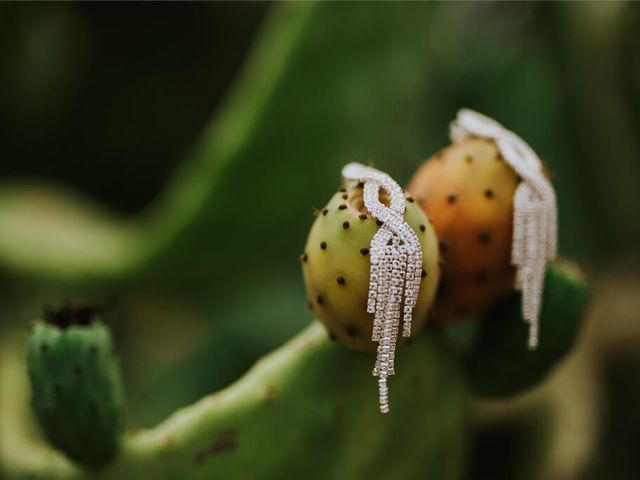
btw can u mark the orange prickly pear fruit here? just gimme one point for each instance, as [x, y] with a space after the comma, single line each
[467, 191]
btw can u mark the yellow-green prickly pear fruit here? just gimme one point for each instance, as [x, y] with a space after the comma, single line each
[77, 392]
[335, 264]
[467, 191]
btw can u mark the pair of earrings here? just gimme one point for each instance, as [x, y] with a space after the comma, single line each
[396, 254]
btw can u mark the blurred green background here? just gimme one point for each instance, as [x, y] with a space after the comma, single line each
[165, 159]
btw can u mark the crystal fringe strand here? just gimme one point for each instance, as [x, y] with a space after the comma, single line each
[394, 276]
[535, 216]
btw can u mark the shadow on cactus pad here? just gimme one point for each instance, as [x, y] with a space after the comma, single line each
[499, 364]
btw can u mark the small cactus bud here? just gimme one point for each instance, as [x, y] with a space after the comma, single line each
[77, 393]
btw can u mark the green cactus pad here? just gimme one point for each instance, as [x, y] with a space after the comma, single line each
[308, 410]
[76, 388]
[335, 264]
[499, 364]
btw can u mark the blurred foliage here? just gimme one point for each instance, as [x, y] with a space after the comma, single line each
[179, 219]
[72, 74]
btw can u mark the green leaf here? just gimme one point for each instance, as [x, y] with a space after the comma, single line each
[49, 232]
[499, 364]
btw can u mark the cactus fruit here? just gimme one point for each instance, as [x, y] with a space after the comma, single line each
[335, 264]
[77, 393]
[467, 191]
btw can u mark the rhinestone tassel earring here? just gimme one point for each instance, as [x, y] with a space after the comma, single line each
[394, 276]
[535, 216]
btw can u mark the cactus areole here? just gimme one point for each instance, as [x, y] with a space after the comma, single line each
[391, 276]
